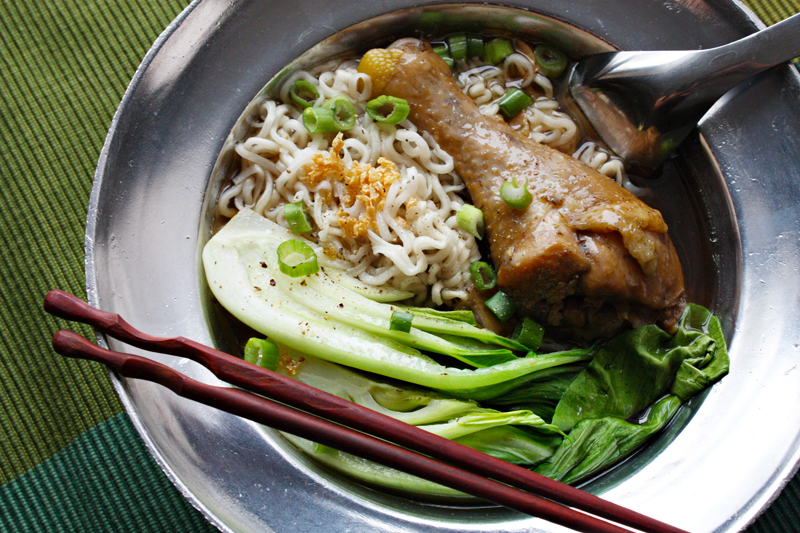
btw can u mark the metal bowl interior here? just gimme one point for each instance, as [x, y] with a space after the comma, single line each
[730, 197]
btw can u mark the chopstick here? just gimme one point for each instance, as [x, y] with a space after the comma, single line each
[285, 390]
[283, 418]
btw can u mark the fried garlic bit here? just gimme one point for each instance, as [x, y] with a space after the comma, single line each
[362, 183]
[380, 65]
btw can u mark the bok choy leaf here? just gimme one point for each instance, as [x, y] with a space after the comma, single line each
[599, 443]
[520, 437]
[639, 366]
[241, 267]
[566, 413]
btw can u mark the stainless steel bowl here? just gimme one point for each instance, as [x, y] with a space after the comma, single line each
[731, 197]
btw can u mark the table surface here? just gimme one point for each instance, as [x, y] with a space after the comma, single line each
[70, 459]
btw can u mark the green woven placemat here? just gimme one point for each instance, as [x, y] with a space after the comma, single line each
[70, 459]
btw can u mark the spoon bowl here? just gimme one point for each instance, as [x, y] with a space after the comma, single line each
[643, 104]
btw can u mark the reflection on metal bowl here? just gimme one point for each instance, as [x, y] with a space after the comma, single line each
[731, 197]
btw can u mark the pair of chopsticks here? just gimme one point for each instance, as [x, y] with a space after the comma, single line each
[368, 434]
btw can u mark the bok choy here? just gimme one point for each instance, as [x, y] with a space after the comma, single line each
[569, 414]
[519, 436]
[316, 315]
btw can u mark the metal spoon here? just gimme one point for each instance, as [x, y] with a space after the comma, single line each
[643, 104]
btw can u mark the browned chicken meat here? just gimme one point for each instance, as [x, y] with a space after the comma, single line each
[587, 257]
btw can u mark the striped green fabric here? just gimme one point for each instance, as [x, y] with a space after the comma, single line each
[103, 480]
[70, 459]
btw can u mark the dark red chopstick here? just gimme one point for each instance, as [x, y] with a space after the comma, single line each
[256, 379]
[283, 418]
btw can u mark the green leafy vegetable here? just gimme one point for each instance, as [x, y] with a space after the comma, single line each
[520, 437]
[513, 444]
[529, 400]
[458, 315]
[699, 372]
[240, 263]
[541, 393]
[487, 418]
[599, 443]
[639, 366]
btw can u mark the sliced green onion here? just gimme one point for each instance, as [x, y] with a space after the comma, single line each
[475, 45]
[501, 305]
[296, 258]
[552, 62]
[303, 93]
[318, 120]
[458, 46]
[297, 217]
[483, 275]
[497, 50]
[262, 352]
[470, 219]
[342, 111]
[444, 52]
[388, 109]
[528, 333]
[513, 102]
[516, 196]
[401, 321]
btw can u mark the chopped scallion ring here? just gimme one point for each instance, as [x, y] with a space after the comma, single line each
[296, 258]
[388, 109]
[297, 217]
[401, 321]
[513, 102]
[441, 49]
[262, 352]
[497, 50]
[501, 306]
[552, 62]
[318, 120]
[342, 111]
[458, 46]
[470, 219]
[528, 333]
[516, 196]
[475, 45]
[444, 52]
[483, 275]
[303, 93]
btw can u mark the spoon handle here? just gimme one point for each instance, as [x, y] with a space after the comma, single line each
[750, 55]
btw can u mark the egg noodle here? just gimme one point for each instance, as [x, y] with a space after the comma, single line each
[383, 198]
